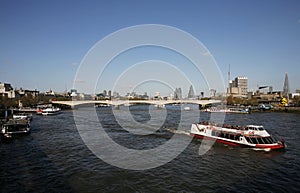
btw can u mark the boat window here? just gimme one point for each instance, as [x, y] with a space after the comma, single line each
[272, 140]
[235, 137]
[222, 135]
[268, 140]
[246, 128]
[229, 136]
[249, 140]
[260, 128]
[260, 141]
[264, 140]
[254, 140]
[11, 128]
[215, 133]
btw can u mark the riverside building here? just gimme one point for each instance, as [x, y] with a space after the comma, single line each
[238, 86]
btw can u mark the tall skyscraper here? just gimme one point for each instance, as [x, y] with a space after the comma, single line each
[178, 93]
[191, 93]
[286, 86]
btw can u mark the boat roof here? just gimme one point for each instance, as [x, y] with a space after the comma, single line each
[259, 127]
[16, 122]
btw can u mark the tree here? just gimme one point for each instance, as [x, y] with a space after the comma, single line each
[28, 100]
[6, 102]
[296, 101]
[252, 102]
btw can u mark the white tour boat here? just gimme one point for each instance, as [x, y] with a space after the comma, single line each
[50, 111]
[252, 136]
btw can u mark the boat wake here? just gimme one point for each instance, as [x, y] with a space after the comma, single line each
[173, 130]
[262, 149]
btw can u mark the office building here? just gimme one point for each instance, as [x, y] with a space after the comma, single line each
[238, 86]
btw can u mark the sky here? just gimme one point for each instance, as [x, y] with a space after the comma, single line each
[43, 43]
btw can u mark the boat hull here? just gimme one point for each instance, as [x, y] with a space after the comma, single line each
[267, 147]
[50, 113]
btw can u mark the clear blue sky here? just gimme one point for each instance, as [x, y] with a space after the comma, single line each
[43, 42]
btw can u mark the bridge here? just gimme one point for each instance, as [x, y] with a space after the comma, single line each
[117, 103]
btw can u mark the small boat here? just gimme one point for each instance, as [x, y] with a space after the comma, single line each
[51, 111]
[251, 136]
[160, 106]
[227, 110]
[15, 127]
[187, 108]
[25, 116]
[127, 104]
[103, 105]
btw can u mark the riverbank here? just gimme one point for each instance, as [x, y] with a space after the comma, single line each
[286, 109]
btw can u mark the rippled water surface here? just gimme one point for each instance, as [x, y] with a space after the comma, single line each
[53, 158]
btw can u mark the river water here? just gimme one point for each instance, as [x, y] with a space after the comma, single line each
[54, 158]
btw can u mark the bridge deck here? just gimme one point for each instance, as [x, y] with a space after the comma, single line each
[122, 102]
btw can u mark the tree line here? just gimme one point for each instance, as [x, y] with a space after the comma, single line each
[27, 101]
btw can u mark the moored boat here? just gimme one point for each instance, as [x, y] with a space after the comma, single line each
[51, 111]
[252, 136]
[227, 110]
[39, 111]
[15, 127]
[187, 108]
[25, 116]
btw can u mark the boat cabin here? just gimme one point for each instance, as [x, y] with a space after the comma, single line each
[260, 140]
[254, 128]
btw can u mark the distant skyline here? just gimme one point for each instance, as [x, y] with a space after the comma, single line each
[42, 43]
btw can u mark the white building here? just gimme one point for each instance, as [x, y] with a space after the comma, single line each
[7, 90]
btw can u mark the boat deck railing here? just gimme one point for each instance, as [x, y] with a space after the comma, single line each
[228, 126]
